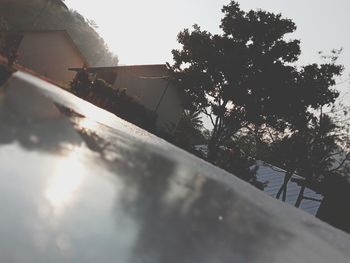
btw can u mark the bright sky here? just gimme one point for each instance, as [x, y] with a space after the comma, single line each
[144, 32]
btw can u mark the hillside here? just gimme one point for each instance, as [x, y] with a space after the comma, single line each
[54, 15]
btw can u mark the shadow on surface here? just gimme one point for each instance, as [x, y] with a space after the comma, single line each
[181, 215]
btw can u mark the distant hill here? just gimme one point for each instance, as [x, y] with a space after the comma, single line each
[21, 15]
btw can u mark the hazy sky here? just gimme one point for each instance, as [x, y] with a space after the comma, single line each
[144, 32]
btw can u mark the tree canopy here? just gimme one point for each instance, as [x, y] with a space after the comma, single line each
[248, 76]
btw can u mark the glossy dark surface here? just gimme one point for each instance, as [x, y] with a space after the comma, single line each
[78, 184]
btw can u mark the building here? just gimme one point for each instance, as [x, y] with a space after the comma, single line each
[297, 194]
[49, 53]
[310, 201]
[150, 85]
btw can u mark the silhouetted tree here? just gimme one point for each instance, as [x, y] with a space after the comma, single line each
[5, 73]
[81, 84]
[247, 77]
[313, 153]
[9, 46]
[188, 132]
[334, 206]
[318, 149]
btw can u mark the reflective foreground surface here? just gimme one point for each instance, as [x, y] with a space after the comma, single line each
[78, 184]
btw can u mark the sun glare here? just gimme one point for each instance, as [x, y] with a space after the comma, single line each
[89, 124]
[68, 175]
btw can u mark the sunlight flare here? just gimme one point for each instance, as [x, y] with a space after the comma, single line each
[65, 181]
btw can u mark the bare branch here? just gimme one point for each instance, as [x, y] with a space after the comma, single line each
[209, 115]
[342, 162]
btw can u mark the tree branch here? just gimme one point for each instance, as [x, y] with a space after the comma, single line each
[209, 115]
[342, 163]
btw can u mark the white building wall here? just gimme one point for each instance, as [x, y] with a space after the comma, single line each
[50, 54]
[149, 85]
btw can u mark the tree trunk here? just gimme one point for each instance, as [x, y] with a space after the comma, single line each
[212, 150]
[283, 187]
[300, 197]
[213, 144]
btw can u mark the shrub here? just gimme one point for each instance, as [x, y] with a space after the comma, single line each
[5, 73]
[118, 102]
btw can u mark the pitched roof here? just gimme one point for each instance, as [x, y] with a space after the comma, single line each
[274, 177]
[18, 67]
[121, 67]
[63, 32]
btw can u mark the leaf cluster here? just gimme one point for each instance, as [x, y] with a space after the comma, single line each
[250, 71]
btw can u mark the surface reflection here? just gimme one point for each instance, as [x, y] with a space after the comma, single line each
[121, 199]
[180, 213]
[88, 124]
[65, 180]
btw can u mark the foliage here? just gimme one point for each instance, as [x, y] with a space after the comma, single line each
[4, 26]
[8, 48]
[187, 134]
[314, 153]
[247, 81]
[248, 77]
[318, 151]
[23, 15]
[189, 131]
[5, 73]
[333, 209]
[235, 161]
[314, 150]
[103, 95]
